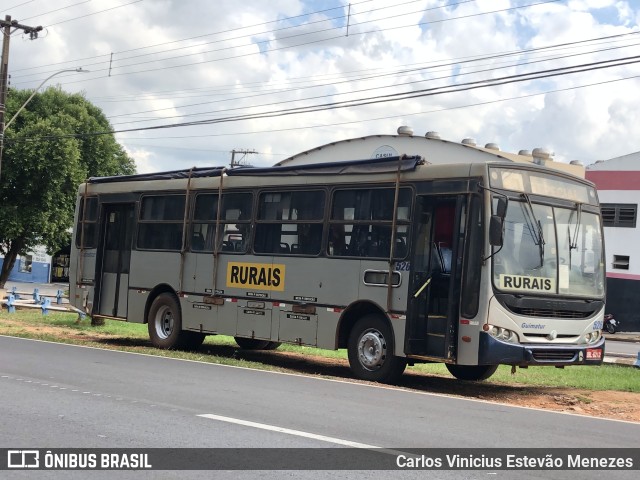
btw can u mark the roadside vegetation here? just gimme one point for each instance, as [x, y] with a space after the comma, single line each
[132, 337]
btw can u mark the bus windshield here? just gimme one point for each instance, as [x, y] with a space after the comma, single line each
[550, 250]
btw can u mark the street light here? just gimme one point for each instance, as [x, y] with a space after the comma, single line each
[3, 128]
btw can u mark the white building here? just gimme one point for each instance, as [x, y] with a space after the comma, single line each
[618, 183]
[430, 146]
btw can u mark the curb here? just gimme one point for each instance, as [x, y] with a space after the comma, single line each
[622, 361]
[621, 337]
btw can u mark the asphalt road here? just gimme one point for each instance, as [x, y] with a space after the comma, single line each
[56, 395]
[621, 348]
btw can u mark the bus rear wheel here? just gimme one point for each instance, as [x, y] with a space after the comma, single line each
[165, 325]
[371, 351]
[474, 373]
[255, 344]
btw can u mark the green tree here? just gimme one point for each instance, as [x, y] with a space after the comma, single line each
[49, 151]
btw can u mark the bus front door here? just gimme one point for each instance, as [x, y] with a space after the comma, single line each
[113, 278]
[432, 308]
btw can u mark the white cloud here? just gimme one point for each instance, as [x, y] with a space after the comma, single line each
[143, 158]
[226, 71]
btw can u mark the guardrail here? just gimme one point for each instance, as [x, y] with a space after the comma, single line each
[36, 295]
[15, 300]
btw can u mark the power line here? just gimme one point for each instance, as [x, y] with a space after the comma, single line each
[56, 10]
[94, 13]
[382, 99]
[315, 32]
[167, 67]
[445, 65]
[388, 117]
[106, 69]
[315, 41]
[19, 5]
[416, 94]
[198, 36]
[350, 76]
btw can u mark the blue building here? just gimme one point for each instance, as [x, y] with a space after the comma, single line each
[34, 267]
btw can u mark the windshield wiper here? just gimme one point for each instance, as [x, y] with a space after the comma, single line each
[536, 231]
[573, 239]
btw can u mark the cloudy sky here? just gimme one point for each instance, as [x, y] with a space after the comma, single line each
[281, 76]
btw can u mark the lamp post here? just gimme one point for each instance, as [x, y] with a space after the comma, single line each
[3, 128]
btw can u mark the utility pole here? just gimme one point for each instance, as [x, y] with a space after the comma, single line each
[6, 25]
[242, 161]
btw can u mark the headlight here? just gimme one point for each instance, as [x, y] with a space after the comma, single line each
[502, 334]
[593, 337]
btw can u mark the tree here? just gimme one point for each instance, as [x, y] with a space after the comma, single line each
[49, 151]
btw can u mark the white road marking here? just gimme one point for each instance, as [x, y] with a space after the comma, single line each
[300, 433]
[288, 431]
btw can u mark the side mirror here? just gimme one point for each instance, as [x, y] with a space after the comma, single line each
[501, 207]
[496, 231]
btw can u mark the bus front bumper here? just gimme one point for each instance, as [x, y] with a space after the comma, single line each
[494, 352]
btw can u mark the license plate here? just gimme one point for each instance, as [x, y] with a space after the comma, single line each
[594, 353]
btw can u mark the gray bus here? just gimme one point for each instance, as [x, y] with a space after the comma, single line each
[477, 262]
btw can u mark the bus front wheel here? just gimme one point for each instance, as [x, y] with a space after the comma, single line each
[255, 344]
[473, 373]
[371, 351]
[165, 325]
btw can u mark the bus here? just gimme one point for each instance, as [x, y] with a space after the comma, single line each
[448, 252]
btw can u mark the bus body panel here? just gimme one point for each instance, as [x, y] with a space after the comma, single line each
[138, 299]
[149, 269]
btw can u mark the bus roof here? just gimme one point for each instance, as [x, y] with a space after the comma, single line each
[354, 167]
[171, 175]
[374, 154]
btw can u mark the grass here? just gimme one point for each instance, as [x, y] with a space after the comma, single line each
[63, 327]
[603, 377]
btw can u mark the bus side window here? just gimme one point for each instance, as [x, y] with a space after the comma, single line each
[309, 239]
[359, 243]
[361, 223]
[290, 222]
[161, 222]
[197, 242]
[267, 238]
[337, 241]
[87, 223]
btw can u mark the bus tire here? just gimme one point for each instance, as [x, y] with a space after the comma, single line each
[165, 324]
[252, 343]
[474, 373]
[371, 351]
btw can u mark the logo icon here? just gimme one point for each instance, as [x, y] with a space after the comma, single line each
[23, 459]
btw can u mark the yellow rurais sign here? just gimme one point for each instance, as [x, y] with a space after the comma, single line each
[262, 276]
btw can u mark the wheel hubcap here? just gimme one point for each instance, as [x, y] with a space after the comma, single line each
[164, 322]
[372, 349]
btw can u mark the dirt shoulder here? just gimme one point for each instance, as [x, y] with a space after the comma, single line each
[605, 404]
